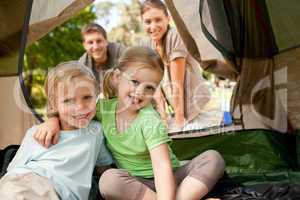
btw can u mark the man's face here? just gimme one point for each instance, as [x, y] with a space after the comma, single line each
[96, 46]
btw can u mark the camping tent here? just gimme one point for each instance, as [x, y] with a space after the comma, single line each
[255, 43]
[15, 34]
[260, 42]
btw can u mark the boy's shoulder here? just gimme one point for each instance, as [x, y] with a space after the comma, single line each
[28, 137]
[95, 131]
[95, 124]
[32, 130]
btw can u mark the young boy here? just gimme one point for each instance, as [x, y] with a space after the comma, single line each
[64, 171]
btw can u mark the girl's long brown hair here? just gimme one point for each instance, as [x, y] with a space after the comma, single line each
[148, 4]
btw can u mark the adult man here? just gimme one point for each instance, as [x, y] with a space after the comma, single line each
[100, 54]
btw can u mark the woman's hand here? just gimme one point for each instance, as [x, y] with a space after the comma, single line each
[48, 132]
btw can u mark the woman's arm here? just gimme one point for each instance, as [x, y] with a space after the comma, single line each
[177, 71]
[48, 132]
[163, 173]
[160, 104]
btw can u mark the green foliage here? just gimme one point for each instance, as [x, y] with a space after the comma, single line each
[62, 44]
[207, 75]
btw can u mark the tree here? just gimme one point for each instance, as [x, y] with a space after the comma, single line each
[62, 44]
[129, 30]
[104, 11]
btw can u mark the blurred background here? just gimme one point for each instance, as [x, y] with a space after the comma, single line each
[122, 21]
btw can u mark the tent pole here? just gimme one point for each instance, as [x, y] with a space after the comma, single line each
[21, 60]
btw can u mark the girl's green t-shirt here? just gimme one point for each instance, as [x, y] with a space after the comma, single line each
[130, 149]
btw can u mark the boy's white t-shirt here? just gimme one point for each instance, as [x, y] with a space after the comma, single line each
[69, 164]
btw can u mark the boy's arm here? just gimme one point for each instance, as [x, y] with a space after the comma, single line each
[48, 132]
[163, 172]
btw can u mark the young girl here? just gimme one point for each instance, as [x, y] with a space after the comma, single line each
[183, 87]
[138, 140]
[64, 171]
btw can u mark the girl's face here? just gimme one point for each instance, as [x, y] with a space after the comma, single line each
[136, 86]
[76, 103]
[155, 23]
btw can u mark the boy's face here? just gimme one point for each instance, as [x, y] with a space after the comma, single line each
[96, 46]
[76, 103]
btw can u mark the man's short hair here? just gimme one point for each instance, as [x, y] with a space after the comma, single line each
[93, 27]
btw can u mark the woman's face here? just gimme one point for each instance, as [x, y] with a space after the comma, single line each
[155, 23]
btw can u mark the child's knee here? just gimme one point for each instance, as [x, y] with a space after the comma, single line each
[118, 184]
[108, 179]
[215, 158]
[111, 182]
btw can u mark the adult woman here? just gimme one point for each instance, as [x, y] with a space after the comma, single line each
[183, 87]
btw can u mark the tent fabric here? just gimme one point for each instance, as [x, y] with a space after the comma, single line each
[251, 156]
[264, 192]
[47, 16]
[246, 151]
[12, 14]
[286, 87]
[15, 118]
[42, 11]
[231, 24]
[6, 156]
[298, 146]
[284, 17]
[246, 33]
[185, 17]
[258, 95]
[290, 60]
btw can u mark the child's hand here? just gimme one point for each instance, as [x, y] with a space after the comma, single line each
[48, 132]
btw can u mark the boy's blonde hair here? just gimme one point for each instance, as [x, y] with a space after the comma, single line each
[132, 57]
[65, 72]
